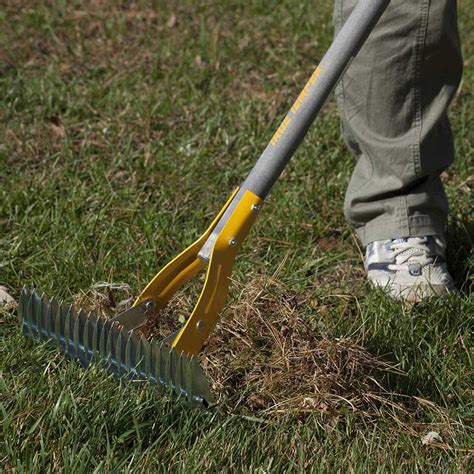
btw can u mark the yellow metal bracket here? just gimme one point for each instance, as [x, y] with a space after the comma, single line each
[179, 270]
[204, 317]
[186, 265]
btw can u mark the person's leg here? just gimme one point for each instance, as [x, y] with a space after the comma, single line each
[393, 104]
[393, 101]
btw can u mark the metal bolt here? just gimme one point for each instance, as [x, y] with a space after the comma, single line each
[256, 207]
[149, 305]
[232, 242]
[201, 325]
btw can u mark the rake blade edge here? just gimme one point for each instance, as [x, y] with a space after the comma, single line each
[90, 339]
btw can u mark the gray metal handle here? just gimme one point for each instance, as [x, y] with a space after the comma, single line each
[295, 125]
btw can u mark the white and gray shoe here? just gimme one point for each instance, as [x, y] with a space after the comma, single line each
[411, 269]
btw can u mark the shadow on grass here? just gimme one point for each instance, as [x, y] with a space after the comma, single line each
[429, 343]
[460, 237]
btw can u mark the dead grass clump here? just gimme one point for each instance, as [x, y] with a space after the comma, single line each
[264, 356]
[105, 299]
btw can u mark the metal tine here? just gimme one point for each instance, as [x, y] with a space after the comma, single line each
[115, 347]
[150, 366]
[31, 314]
[156, 369]
[72, 322]
[26, 309]
[42, 317]
[50, 318]
[155, 356]
[186, 382]
[24, 300]
[80, 339]
[86, 338]
[130, 344]
[137, 357]
[30, 308]
[36, 306]
[168, 367]
[120, 347]
[176, 372]
[23, 313]
[57, 331]
[146, 357]
[186, 375]
[178, 381]
[65, 316]
[164, 370]
[164, 366]
[201, 391]
[103, 333]
[24, 296]
[179, 374]
[60, 324]
[109, 353]
[140, 356]
[75, 335]
[130, 350]
[94, 332]
[37, 315]
[69, 330]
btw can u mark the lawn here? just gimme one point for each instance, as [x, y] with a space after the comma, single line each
[124, 127]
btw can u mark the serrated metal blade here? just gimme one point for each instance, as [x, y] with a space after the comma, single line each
[92, 339]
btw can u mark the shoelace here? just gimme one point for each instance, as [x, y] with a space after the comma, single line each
[411, 254]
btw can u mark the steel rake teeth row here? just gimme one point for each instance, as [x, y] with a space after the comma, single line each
[96, 340]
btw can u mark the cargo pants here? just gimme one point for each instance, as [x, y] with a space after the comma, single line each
[393, 102]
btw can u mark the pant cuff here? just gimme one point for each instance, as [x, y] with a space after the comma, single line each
[416, 226]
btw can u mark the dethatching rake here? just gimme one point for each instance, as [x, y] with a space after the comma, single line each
[173, 361]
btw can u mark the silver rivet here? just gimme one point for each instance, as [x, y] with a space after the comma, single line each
[232, 242]
[201, 325]
[150, 305]
[256, 207]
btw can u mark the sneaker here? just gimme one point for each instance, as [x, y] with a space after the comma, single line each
[411, 269]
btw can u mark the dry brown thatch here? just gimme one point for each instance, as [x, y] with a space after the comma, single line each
[264, 357]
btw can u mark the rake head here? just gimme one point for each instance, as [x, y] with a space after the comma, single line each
[96, 340]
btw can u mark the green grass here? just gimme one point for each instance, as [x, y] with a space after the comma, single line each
[123, 130]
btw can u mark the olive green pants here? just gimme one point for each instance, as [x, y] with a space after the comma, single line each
[393, 102]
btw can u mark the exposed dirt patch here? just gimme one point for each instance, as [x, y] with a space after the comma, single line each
[332, 243]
